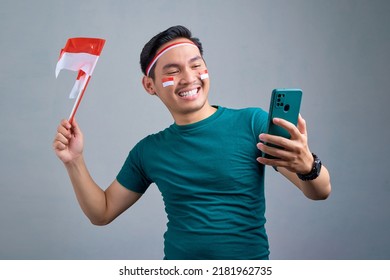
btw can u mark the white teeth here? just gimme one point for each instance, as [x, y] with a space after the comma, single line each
[188, 93]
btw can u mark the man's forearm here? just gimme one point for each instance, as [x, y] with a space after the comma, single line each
[317, 189]
[90, 196]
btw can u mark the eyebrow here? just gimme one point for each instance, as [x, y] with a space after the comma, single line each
[172, 65]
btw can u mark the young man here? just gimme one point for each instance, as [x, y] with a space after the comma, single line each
[207, 164]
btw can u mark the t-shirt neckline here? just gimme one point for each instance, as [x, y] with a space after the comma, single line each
[202, 123]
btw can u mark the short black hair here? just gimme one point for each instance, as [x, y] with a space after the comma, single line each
[151, 47]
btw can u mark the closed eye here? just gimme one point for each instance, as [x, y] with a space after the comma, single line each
[172, 72]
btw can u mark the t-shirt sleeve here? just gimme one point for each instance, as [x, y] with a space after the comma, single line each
[259, 122]
[132, 174]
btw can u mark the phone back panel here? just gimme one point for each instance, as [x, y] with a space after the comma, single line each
[285, 104]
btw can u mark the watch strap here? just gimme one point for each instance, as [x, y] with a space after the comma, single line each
[315, 171]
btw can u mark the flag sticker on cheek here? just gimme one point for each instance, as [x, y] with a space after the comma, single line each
[204, 74]
[168, 81]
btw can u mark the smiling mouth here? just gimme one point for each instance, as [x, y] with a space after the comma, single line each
[189, 93]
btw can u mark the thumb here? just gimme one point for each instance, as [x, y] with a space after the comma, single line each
[76, 128]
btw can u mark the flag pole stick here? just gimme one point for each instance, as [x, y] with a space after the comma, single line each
[78, 101]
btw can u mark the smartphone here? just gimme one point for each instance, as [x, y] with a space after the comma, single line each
[285, 104]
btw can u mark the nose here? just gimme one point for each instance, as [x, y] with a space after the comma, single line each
[188, 76]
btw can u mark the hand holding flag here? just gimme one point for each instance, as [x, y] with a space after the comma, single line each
[80, 54]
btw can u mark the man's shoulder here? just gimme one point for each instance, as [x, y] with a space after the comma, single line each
[248, 111]
[156, 136]
[253, 118]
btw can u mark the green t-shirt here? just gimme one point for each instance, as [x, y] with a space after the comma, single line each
[211, 184]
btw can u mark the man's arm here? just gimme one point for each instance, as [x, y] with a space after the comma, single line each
[317, 189]
[101, 207]
[295, 157]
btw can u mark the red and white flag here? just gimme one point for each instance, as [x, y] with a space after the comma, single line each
[204, 74]
[80, 54]
[168, 81]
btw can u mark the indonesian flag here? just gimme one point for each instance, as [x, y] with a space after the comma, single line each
[80, 54]
[204, 74]
[168, 81]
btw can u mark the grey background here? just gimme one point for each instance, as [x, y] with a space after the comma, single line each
[336, 51]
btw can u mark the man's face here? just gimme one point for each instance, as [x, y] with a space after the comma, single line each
[184, 65]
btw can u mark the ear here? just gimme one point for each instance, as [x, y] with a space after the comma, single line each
[148, 84]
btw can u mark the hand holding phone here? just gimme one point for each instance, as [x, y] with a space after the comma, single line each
[285, 104]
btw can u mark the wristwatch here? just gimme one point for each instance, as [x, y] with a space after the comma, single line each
[315, 171]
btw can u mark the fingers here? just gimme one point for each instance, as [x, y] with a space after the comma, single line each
[295, 131]
[290, 127]
[278, 155]
[275, 140]
[271, 162]
[68, 130]
[62, 139]
[276, 152]
[292, 160]
[302, 125]
[58, 145]
[63, 136]
[64, 129]
[291, 153]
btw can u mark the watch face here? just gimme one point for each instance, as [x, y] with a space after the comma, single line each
[317, 165]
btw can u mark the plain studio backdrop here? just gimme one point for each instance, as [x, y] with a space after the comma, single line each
[336, 51]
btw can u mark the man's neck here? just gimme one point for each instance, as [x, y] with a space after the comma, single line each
[197, 116]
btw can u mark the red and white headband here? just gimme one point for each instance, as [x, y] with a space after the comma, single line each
[164, 50]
